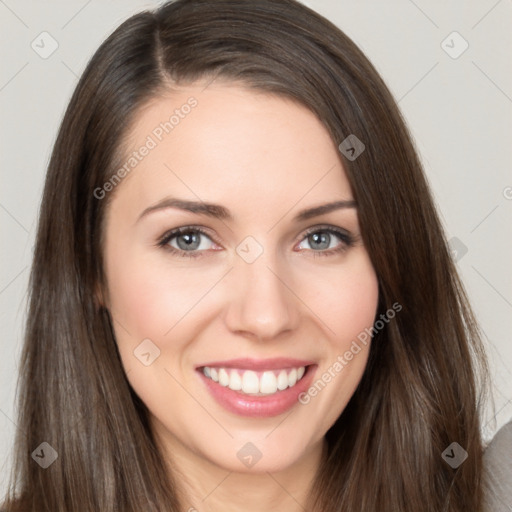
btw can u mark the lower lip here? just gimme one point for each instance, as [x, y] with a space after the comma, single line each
[259, 406]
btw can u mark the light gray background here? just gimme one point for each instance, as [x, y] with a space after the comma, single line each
[458, 109]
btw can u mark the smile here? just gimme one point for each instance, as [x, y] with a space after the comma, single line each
[255, 383]
[257, 388]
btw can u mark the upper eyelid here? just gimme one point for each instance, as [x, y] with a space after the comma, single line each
[324, 227]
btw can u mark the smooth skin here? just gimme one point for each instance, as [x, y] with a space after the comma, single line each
[264, 158]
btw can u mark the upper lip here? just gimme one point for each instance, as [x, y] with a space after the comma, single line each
[259, 364]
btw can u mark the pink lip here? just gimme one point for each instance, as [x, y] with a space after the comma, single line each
[258, 406]
[246, 363]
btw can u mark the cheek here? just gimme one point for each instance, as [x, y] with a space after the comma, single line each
[358, 301]
[146, 300]
[148, 297]
[349, 306]
[348, 301]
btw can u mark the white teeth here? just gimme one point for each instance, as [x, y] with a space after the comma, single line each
[223, 377]
[282, 380]
[235, 381]
[250, 382]
[268, 383]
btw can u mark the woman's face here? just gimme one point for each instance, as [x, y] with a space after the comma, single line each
[237, 332]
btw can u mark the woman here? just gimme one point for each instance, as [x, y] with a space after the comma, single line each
[241, 295]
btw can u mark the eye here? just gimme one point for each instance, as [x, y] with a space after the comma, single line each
[191, 241]
[326, 240]
[187, 241]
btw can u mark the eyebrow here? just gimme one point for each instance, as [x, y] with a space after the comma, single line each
[220, 212]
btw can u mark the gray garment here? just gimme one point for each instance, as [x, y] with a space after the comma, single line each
[498, 471]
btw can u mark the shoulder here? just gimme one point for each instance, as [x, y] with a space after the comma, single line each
[498, 471]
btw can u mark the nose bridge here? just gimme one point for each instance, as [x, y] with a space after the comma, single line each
[260, 303]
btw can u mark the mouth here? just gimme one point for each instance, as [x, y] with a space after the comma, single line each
[257, 388]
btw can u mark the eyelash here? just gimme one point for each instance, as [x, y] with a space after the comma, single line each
[346, 239]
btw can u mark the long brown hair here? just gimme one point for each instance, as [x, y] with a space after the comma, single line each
[421, 388]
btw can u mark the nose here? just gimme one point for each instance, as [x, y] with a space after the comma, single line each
[261, 303]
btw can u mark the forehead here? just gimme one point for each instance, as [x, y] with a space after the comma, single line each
[230, 145]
